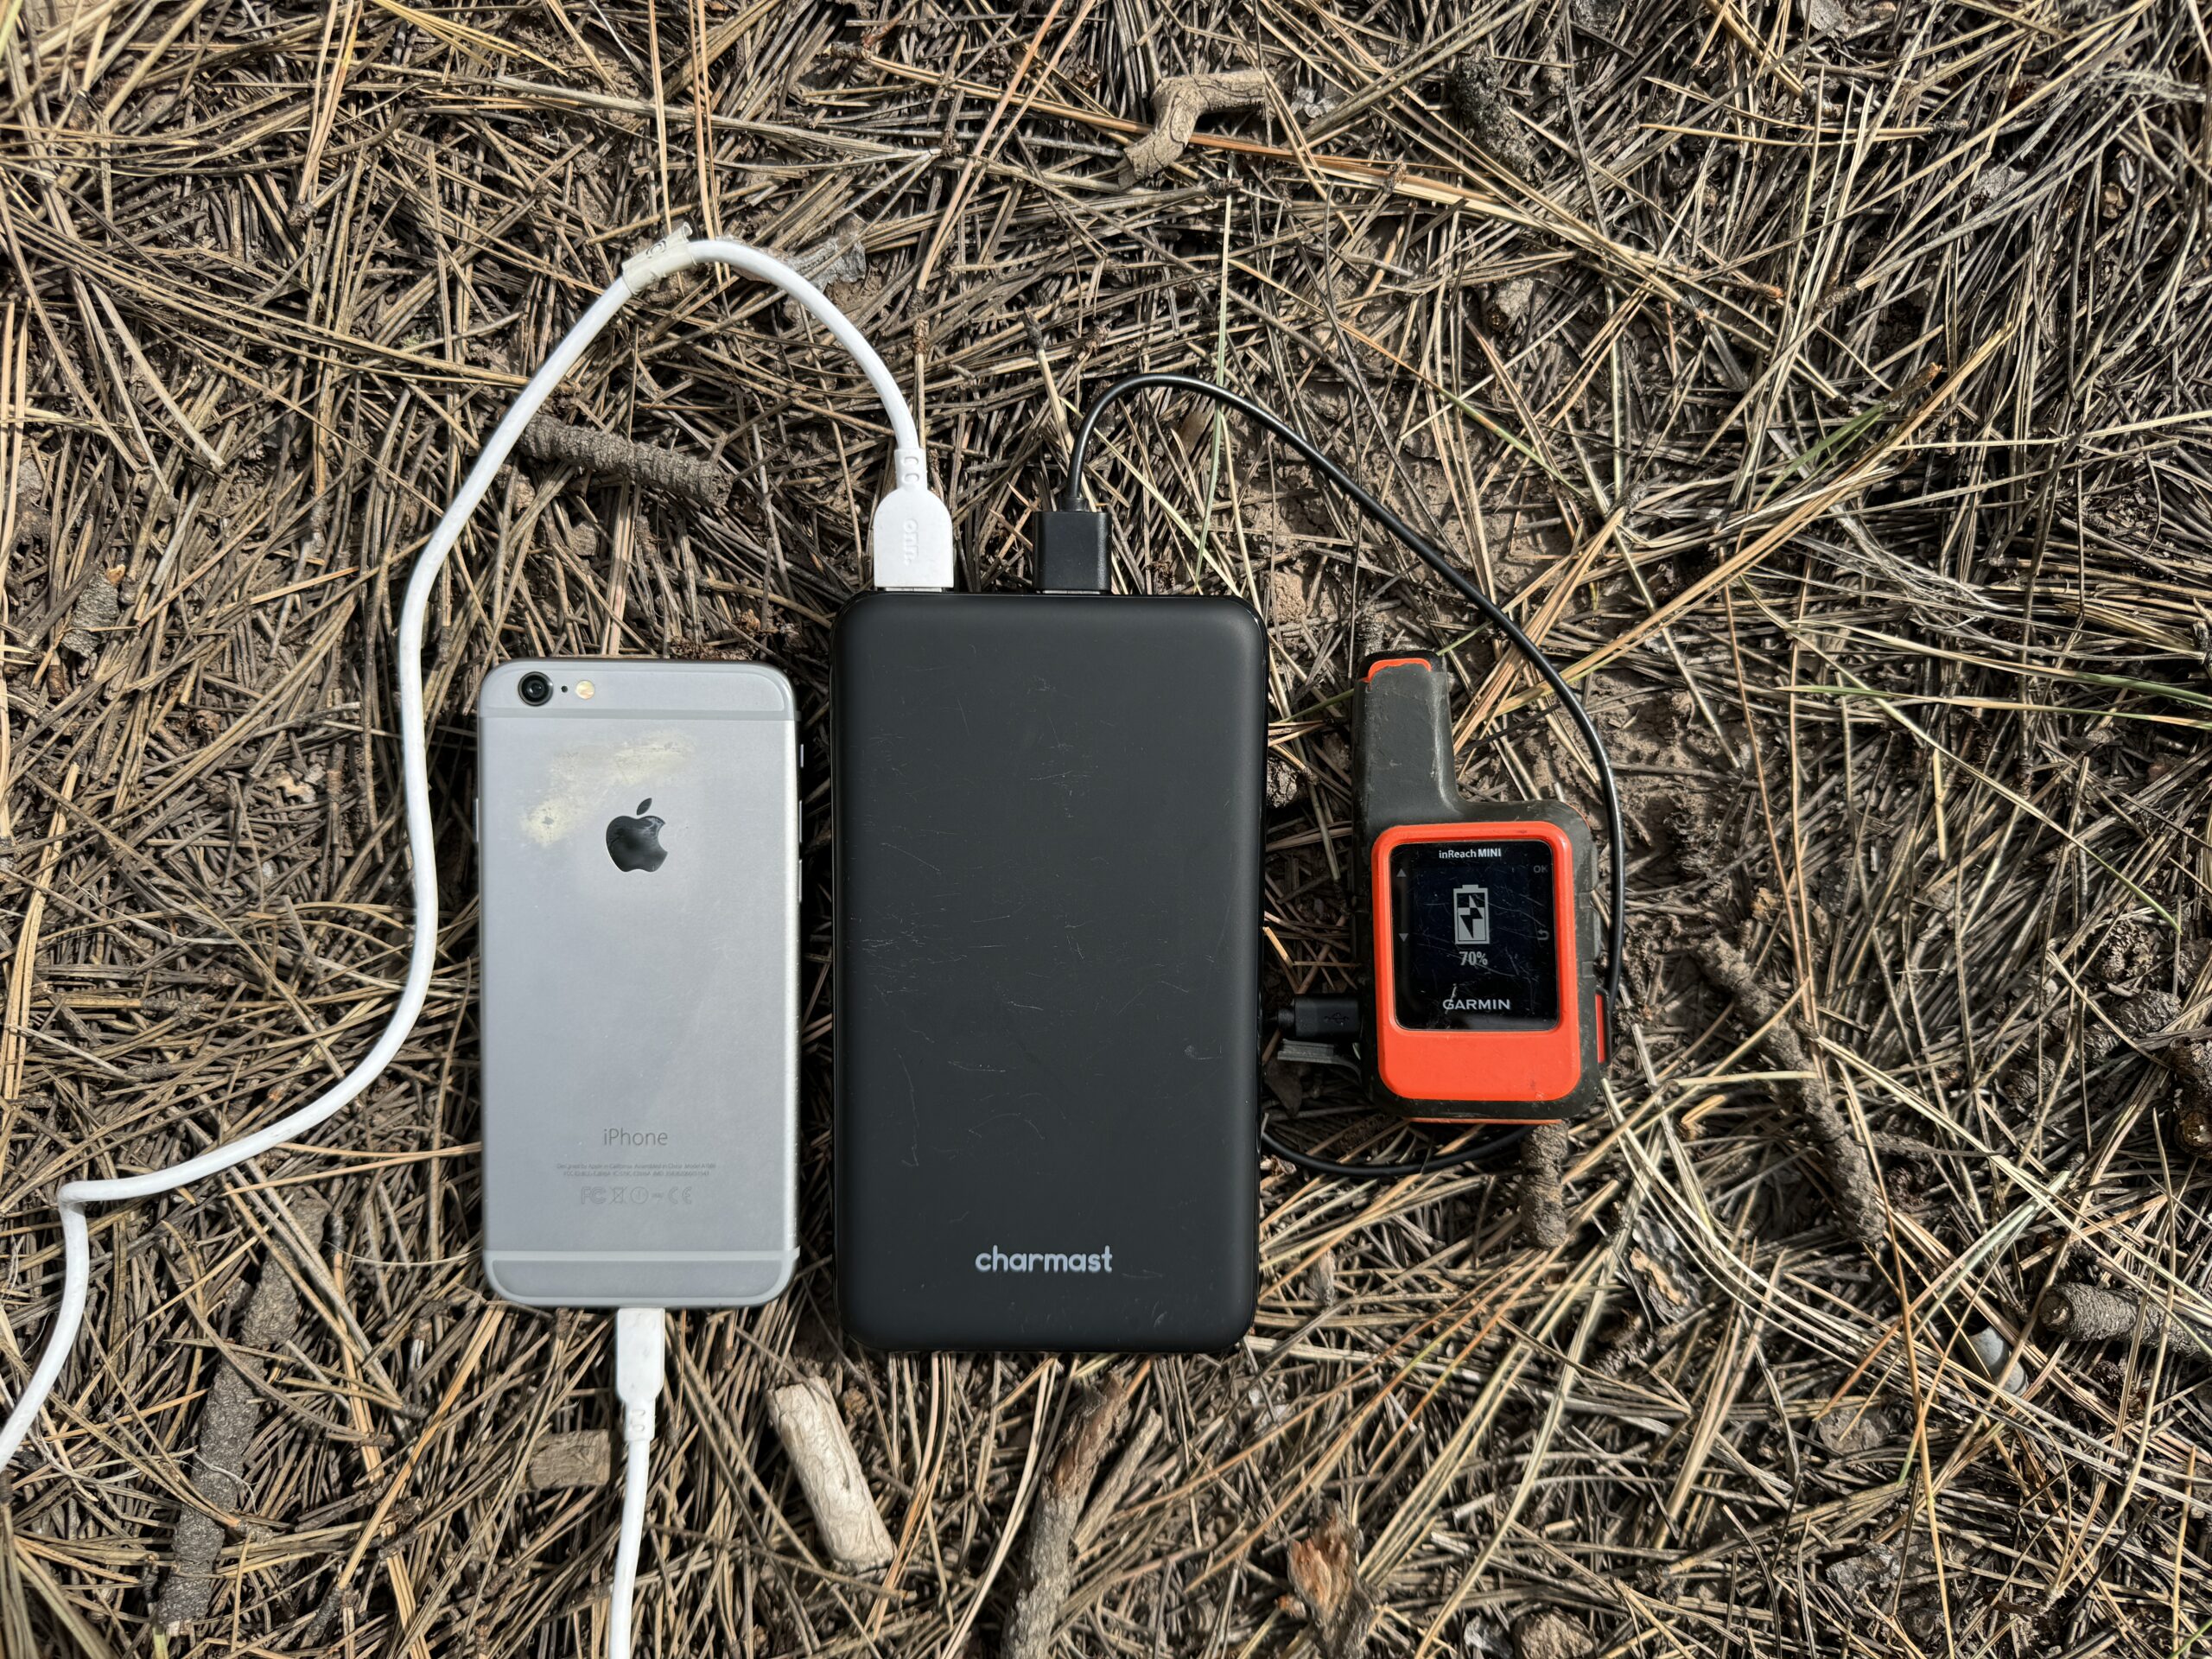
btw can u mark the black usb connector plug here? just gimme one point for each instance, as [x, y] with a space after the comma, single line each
[1325, 1017]
[1071, 550]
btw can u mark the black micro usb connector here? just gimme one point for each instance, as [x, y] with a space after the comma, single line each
[1325, 1017]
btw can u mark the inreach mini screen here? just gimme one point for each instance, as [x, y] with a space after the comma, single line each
[1477, 936]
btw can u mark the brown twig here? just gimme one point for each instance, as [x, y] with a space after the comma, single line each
[806, 1419]
[2082, 1312]
[702, 483]
[1543, 1164]
[227, 1421]
[1177, 104]
[1094, 1420]
[1859, 1194]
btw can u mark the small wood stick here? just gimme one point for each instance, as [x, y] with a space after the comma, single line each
[1859, 1195]
[1090, 1431]
[583, 1458]
[2090, 1313]
[1106, 1502]
[1177, 104]
[1543, 1162]
[1324, 1570]
[806, 1419]
[701, 482]
[227, 1422]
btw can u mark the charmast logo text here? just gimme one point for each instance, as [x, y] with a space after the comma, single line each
[996, 1260]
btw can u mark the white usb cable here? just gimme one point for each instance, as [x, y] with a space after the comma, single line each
[911, 533]
[641, 1359]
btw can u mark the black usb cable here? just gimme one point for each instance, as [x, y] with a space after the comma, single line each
[1071, 558]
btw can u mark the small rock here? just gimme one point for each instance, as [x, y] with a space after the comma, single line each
[300, 789]
[33, 522]
[1484, 1635]
[1264, 1406]
[561, 1461]
[1991, 1349]
[97, 609]
[1321, 1279]
[838, 257]
[1994, 183]
[1548, 1635]
[1285, 782]
[1847, 1431]
[1863, 1575]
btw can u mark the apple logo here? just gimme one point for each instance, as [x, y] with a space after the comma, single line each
[634, 843]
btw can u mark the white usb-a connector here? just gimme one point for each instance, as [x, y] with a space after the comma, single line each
[912, 531]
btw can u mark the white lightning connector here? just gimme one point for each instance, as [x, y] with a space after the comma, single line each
[640, 1361]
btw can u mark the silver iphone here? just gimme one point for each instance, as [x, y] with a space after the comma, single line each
[638, 836]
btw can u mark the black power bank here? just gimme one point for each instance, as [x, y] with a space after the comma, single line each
[1047, 898]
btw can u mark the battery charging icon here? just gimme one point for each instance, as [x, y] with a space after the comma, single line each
[1470, 915]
